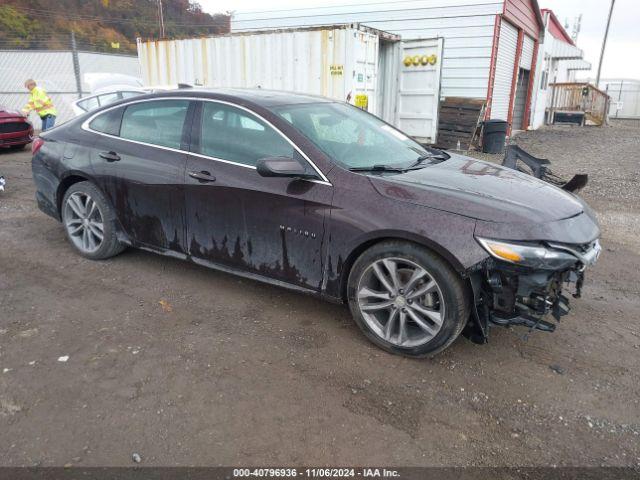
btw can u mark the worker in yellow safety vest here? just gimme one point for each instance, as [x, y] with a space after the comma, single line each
[41, 103]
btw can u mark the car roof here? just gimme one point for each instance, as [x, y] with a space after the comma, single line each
[257, 96]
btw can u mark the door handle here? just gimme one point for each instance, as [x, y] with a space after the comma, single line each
[203, 176]
[110, 156]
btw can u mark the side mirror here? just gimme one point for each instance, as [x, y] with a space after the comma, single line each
[282, 167]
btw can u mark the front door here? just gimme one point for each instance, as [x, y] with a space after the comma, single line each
[268, 226]
[140, 166]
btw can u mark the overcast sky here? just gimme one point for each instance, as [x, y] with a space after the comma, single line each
[622, 58]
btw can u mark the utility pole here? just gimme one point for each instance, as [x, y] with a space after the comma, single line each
[160, 19]
[604, 43]
[76, 63]
[577, 24]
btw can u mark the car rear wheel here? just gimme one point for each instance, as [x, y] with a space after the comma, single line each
[89, 221]
[406, 299]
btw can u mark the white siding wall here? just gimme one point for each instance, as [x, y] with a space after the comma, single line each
[467, 29]
[540, 89]
[505, 62]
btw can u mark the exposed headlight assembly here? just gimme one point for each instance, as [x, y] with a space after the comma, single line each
[528, 255]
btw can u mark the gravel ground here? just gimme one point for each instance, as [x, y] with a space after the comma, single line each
[187, 366]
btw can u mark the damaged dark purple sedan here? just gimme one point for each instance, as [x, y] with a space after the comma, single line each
[323, 198]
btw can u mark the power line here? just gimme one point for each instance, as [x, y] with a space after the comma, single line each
[93, 18]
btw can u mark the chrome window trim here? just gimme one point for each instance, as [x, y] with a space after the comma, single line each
[85, 126]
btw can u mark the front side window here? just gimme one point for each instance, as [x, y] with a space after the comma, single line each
[353, 138]
[229, 133]
[159, 122]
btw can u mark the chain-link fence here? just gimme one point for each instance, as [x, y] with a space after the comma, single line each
[55, 72]
[625, 98]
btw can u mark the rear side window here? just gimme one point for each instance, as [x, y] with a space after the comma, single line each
[229, 133]
[158, 122]
[108, 98]
[130, 94]
[108, 122]
[89, 104]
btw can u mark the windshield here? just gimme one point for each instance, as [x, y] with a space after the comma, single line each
[352, 137]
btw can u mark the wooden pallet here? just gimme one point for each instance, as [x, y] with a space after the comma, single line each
[458, 122]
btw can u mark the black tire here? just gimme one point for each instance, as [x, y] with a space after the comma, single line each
[109, 246]
[452, 289]
[17, 147]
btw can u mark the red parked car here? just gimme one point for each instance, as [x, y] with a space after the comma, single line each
[15, 130]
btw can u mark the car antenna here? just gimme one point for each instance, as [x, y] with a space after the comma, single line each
[185, 85]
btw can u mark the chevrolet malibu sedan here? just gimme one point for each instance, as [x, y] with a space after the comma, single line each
[323, 198]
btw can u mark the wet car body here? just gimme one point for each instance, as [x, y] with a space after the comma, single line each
[306, 233]
[15, 130]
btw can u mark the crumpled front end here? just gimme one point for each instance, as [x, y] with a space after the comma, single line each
[528, 283]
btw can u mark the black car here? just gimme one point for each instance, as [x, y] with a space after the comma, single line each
[320, 197]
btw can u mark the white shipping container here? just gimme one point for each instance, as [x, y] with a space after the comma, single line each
[361, 65]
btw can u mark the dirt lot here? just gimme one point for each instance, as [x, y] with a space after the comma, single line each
[232, 372]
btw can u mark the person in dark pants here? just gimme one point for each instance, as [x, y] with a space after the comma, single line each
[41, 103]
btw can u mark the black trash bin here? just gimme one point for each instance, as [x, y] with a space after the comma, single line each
[494, 136]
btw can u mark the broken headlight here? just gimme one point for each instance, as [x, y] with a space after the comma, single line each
[532, 255]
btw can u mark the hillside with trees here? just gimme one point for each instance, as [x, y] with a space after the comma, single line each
[100, 25]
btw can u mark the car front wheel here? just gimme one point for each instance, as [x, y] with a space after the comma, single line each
[89, 221]
[406, 299]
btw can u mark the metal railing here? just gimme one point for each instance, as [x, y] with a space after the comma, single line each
[580, 97]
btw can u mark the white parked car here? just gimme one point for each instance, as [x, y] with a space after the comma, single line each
[111, 95]
[106, 88]
[86, 104]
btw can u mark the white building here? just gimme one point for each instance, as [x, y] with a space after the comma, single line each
[490, 46]
[558, 61]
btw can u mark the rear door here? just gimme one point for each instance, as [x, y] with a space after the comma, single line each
[419, 94]
[140, 166]
[268, 226]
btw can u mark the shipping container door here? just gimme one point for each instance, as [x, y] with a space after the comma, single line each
[365, 71]
[420, 88]
[505, 62]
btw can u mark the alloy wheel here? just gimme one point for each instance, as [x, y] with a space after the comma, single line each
[84, 223]
[401, 302]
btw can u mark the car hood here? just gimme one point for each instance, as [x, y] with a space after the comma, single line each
[101, 82]
[480, 190]
[5, 114]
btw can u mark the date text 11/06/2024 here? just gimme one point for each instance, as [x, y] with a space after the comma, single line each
[316, 472]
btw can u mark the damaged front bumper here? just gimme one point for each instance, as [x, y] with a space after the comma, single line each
[528, 293]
